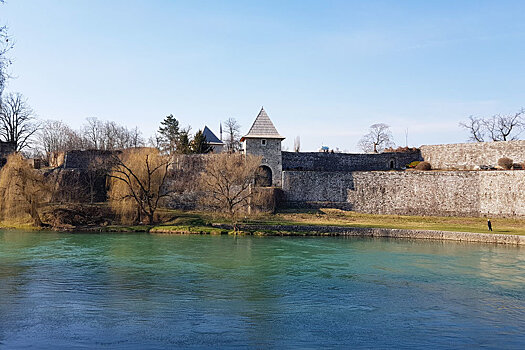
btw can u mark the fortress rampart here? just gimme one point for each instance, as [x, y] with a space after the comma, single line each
[442, 193]
[320, 161]
[468, 156]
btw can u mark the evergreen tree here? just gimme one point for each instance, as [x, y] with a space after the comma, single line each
[169, 134]
[199, 143]
[183, 144]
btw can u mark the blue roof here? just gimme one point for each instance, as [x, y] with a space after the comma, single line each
[210, 136]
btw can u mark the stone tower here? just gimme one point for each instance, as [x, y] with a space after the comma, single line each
[264, 140]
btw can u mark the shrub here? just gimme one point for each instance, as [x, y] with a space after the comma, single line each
[423, 166]
[413, 164]
[505, 163]
[517, 166]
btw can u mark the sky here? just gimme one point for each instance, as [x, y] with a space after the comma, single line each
[323, 70]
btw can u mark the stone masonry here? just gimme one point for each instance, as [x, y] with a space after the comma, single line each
[442, 193]
[468, 156]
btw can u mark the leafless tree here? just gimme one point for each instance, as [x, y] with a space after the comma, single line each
[56, 136]
[297, 144]
[232, 128]
[378, 138]
[138, 182]
[17, 121]
[108, 135]
[475, 127]
[226, 182]
[496, 128]
[6, 43]
[92, 132]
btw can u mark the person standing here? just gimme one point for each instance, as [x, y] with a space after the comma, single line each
[489, 224]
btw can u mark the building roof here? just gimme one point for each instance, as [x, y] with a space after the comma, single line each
[263, 128]
[210, 136]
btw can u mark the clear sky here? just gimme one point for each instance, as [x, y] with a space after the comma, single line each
[323, 70]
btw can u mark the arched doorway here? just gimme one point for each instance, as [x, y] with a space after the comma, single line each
[263, 177]
[392, 164]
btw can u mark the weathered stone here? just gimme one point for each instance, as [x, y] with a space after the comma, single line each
[469, 156]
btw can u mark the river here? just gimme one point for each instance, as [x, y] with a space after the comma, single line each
[140, 291]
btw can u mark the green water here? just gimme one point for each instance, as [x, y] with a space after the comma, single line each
[152, 291]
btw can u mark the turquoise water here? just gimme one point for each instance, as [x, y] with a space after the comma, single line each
[137, 291]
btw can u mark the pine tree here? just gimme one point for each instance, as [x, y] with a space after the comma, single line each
[183, 144]
[169, 134]
[199, 143]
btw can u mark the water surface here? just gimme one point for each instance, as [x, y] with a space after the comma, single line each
[153, 291]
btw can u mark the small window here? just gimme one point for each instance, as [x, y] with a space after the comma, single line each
[263, 142]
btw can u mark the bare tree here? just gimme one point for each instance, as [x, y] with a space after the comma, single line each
[108, 135]
[233, 134]
[496, 128]
[92, 132]
[297, 144]
[17, 121]
[56, 136]
[475, 127]
[22, 190]
[6, 43]
[226, 182]
[378, 138]
[138, 182]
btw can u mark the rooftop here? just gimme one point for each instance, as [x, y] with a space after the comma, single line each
[263, 128]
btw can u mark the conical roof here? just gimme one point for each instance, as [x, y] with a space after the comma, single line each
[263, 128]
[210, 136]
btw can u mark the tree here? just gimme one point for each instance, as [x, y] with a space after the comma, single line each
[183, 144]
[297, 144]
[138, 183]
[226, 182]
[17, 121]
[169, 133]
[56, 136]
[475, 127]
[495, 128]
[233, 134]
[378, 138]
[5, 45]
[22, 190]
[199, 144]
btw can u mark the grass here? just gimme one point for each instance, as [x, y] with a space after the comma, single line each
[352, 219]
[198, 222]
[177, 221]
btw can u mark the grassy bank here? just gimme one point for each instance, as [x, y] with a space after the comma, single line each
[196, 222]
[174, 221]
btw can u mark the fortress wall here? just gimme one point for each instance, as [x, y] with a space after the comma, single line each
[469, 156]
[319, 161]
[451, 193]
[502, 193]
[316, 186]
[441, 193]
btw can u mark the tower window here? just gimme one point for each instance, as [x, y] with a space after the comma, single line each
[263, 142]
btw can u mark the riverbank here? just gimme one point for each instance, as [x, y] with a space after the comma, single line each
[322, 222]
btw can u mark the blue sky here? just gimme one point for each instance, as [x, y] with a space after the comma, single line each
[323, 70]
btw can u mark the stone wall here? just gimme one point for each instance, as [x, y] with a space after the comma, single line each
[319, 161]
[84, 159]
[468, 156]
[442, 193]
[5, 149]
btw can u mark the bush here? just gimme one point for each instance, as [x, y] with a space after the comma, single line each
[505, 163]
[413, 164]
[423, 166]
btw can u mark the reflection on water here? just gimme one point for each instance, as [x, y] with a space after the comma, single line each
[147, 291]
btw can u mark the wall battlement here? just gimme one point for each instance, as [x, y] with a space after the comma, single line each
[320, 161]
